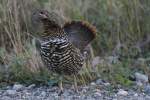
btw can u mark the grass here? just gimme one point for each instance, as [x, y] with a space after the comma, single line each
[123, 31]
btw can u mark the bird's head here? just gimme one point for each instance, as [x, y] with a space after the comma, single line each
[41, 14]
[43, 21]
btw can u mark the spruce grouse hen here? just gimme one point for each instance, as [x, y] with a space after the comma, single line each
[60, 46]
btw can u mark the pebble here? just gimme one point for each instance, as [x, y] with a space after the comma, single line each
[31, 86]
[95, 61]
[93, 83]
[11, 92]
[141, 77]
[139, 84]
[135, 94]
[115, 99]
[43, 93]
[99, 82]
[6, 98]
[147, 89]
[18, 87]
[97, 94]
[122, 92]
[97, 90]
[147, 97]
[107, 84]
[66, 93]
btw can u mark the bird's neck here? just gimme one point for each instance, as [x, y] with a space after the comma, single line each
[52, 30]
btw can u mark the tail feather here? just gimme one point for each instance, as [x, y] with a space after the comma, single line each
[80, 33]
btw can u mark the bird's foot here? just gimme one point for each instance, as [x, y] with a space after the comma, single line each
[60, 92]
[52, 82]
[75, 89]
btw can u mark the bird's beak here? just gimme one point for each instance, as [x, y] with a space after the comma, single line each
[43, 16]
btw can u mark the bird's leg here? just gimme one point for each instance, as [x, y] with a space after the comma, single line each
[60, 85]
[75, 84]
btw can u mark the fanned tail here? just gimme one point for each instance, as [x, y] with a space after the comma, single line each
[80, 33]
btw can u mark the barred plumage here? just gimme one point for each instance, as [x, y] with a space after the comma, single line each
[61, 56]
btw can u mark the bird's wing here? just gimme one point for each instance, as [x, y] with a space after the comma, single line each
[80, 33]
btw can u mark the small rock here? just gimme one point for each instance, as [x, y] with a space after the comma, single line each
[141, 77]
[106, 84]
[66, 93]
[139, 83]
[93, 83]
[97, 94]
[97, 90]
[43, 93]
[55, 95]
[115, 99]
[147, 89]
[8, 87]
[147, 97]
[18, 87]
[135, 94]
[141, 60]
[0, 92]
[31, 86]
[6, 98]
[11, 92]
[95, 61]
[84, 89]
[76, 97]
[99, 81]
[122, 92]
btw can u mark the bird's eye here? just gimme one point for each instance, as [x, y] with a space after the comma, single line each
[41, 12]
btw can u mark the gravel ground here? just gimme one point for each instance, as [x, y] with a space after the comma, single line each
[98, 90]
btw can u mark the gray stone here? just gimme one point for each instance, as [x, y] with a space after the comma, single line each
[93, 83]
[18, 87]
[106, 84]
[97, 90]
[31, 86]
[141, 60]
[122, 92]
[135, 94]
[139, 83]
[114, 99]
[99, 81]
[1, 92]
[96, 61]
[141, 77]
[11, 92]
[147, 97]
[66, 93]
[147, 89]
[97, 94]
[6, 98]
[43, 93]
[8, 87]
[76, 98]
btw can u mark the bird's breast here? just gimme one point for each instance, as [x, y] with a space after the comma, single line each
[61, 56]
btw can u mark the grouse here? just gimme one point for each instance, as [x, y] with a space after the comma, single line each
[61, 46]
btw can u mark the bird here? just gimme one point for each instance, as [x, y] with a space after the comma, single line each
[61, 47]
